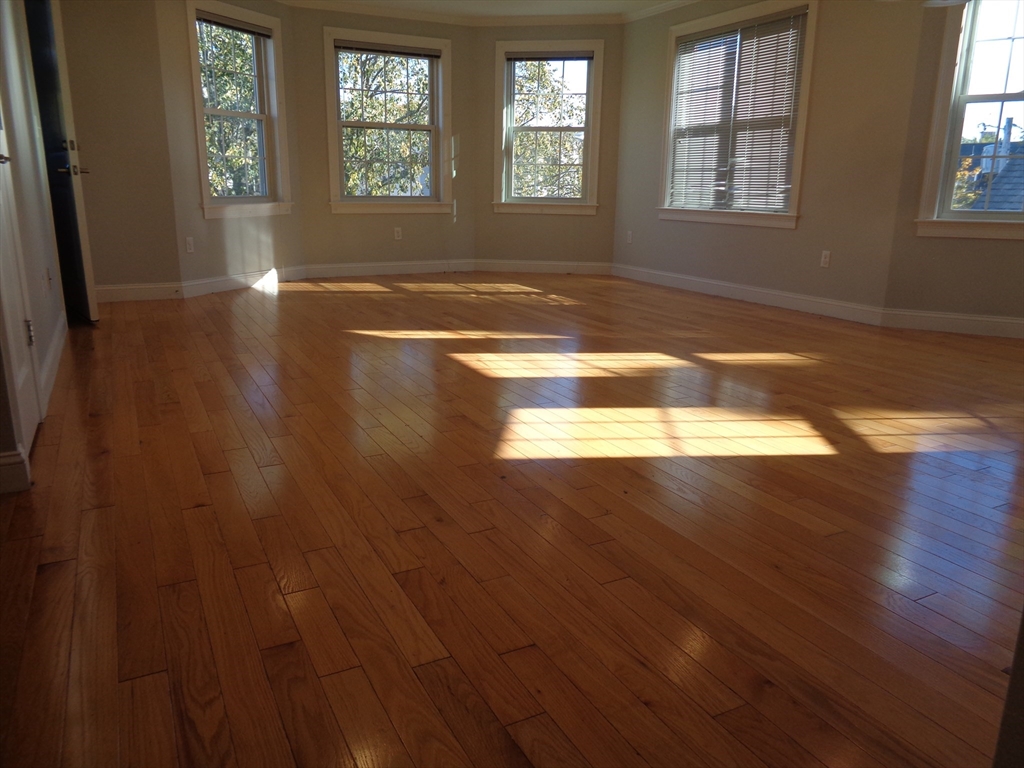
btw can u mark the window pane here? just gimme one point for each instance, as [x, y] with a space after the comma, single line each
[734, 118]
[550, 93]
[382, 162]
[989, 173]
[383, 88]
[553, 94]
[996, 56]
[228, 76]
[234, 155]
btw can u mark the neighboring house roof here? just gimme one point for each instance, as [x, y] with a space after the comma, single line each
[1006, 192]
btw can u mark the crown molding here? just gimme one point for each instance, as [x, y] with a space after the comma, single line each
[671, 5]
[343, 6]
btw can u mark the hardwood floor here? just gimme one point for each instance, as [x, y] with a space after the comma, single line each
[483, 519]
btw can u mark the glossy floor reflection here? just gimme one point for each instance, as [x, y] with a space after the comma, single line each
[511, 520]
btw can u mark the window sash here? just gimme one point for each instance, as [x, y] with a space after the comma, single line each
[511, 130]
[711, 177]
[261, 39]
[954, 131]
[433, 57]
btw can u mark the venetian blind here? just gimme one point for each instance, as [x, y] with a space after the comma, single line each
[734, 116]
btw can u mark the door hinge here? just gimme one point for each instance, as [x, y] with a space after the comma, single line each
[31, 333]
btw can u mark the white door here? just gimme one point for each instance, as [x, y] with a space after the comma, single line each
[76, 179]
[19, 356]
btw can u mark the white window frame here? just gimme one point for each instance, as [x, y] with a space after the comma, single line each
[442, 107]
[737, 17]
[587, 206]
[934, 218]
[278, 198]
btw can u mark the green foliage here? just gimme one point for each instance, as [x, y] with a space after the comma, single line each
[965, 190]
[391, 89]
[234, 143]
[548, 97]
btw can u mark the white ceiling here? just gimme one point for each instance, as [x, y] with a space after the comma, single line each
[485, 12]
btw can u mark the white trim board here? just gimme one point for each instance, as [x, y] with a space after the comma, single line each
[48, 367]
[14, 470]
[950, 322]
[190, 288]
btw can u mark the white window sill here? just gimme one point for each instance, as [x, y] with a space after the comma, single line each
[389, 207]
[244, 210]
[742, 218]
[563, 209]
[982, 230]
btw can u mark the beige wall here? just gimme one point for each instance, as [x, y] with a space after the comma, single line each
[116, 92]
[507, 236]
[871, 99]
[164, 199]
[872, 87]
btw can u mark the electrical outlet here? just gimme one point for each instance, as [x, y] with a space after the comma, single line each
[398, 233]
[629, 235]
[826, 258]
[190, 246]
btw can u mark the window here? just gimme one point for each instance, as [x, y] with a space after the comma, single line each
[985, 165]
[735, 117]
[387, 122]
[547, 108]
[237, 111]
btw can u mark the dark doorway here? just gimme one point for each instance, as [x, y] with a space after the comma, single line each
[59, 166]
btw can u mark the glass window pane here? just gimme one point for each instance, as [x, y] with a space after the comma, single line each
[383, 162]
[227, 70]
[383, 88]
[234, 155]
[996, 65]
[989, 174]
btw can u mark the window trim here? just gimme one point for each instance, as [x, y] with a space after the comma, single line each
[933, 220]
[737, 17]
[587, 205]
[442, 174]
[275, 136]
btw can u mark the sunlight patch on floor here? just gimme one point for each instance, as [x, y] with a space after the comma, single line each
[576, 365]
[459, 335]
[268, 283]
[597, 433]
[893, 431]
[757, 358]
[468, 288]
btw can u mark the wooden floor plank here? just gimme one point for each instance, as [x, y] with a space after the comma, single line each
[490, 519]
[503, 693]
[255, 723]
[147, 730]
[90, 723]
[369, 733]
[201, 728]
[594, 736]
[140, 642]
[327, 645]
[424, 733]
[545, 745]
[18, 562]
[472, 721]
[309, 722]
[34, 734]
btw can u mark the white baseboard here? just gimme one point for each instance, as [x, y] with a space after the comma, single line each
[138, 292]
[14, 471]
[548, 267]
[189, 288]
[844, 310]
[48, 367]
[950, 322]
[986, 325]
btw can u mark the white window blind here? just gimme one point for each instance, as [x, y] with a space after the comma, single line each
[734, 116]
